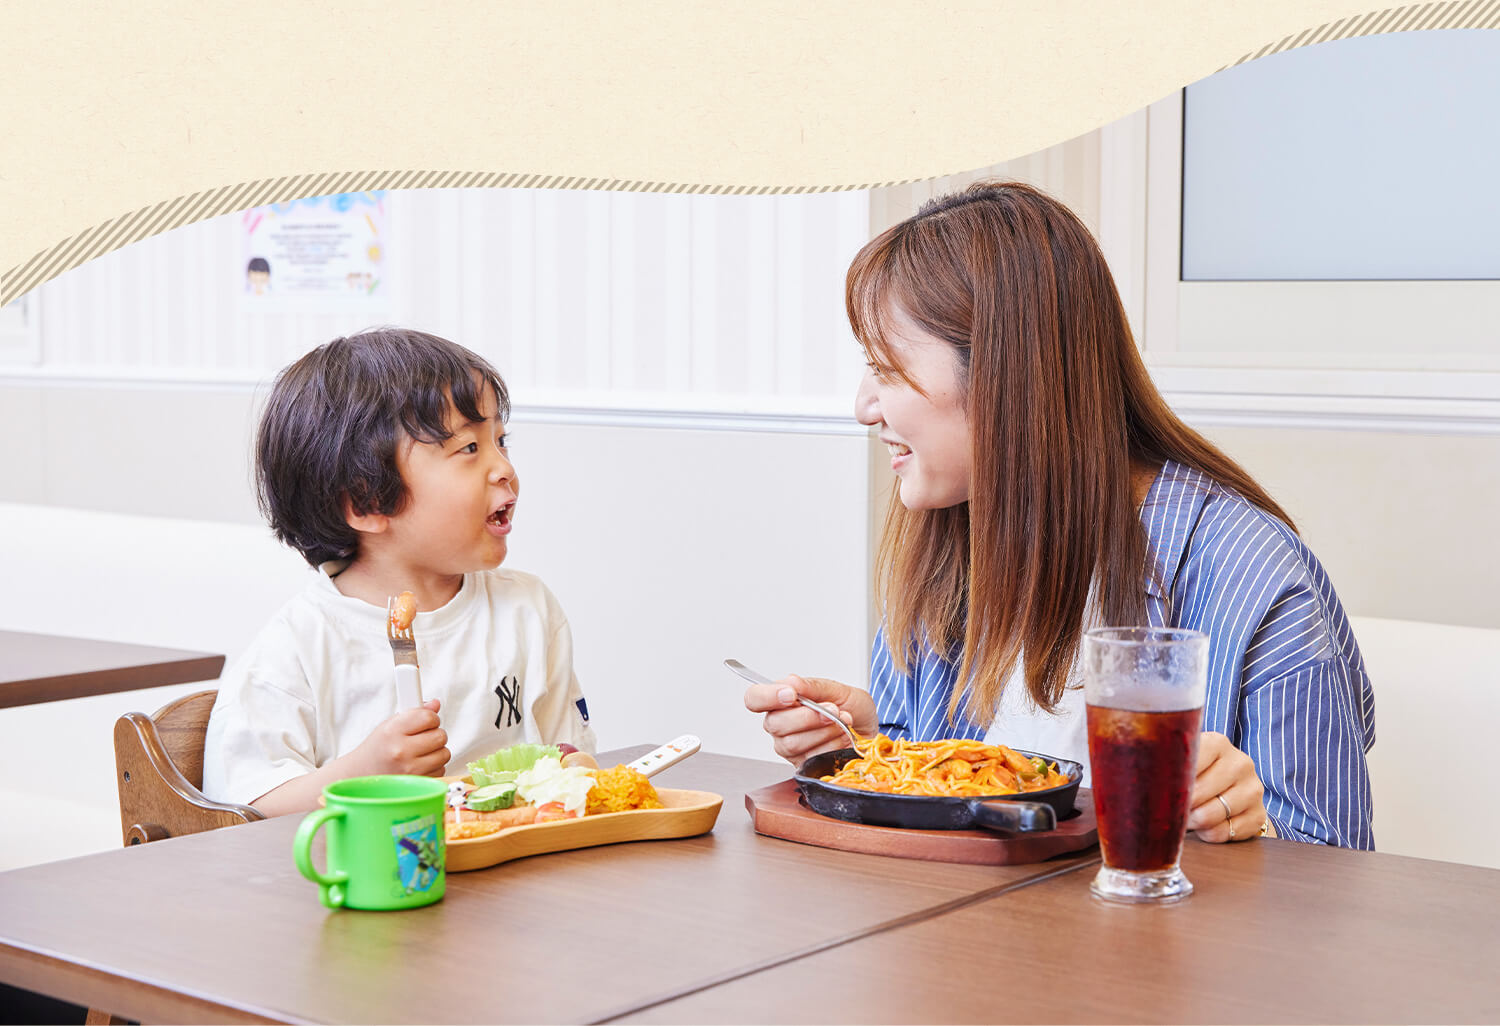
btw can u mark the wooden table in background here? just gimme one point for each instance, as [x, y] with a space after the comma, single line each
[48, 667]
[736, 927]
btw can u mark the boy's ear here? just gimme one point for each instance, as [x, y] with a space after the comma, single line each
[365, 523]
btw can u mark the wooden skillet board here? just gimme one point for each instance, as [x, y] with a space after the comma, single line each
[778, 811]
[683, 814]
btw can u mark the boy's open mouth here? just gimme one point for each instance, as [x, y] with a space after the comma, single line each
[501, 516]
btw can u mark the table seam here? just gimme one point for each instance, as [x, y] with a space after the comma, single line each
[921, 915]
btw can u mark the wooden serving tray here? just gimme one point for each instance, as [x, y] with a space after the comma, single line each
[683, 814]
[778, 811]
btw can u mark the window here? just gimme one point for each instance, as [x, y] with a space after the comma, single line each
[1265, 287]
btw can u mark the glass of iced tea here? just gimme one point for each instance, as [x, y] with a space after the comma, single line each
[1144, 689]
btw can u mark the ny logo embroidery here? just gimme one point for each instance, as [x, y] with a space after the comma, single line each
[509, 690]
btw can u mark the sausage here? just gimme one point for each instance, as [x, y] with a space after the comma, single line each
[580, 759]
[403, 610]
[518, 814]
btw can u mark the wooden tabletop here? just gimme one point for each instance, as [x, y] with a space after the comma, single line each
[736, 927]
[49, 667]
[1275, 931]
[220, 926]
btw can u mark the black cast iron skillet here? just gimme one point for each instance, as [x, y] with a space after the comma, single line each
[1015, 813]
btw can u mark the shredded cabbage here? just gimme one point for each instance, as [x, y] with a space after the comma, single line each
[549, 781]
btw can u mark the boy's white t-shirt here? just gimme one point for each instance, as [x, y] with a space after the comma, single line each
[320, 677]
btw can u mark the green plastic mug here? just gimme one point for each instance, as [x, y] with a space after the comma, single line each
[385, 842]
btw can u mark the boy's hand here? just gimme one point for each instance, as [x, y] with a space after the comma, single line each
[412, 741]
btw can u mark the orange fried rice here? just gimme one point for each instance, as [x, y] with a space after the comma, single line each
[620, 789]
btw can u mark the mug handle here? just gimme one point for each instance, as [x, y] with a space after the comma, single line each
[331, 884]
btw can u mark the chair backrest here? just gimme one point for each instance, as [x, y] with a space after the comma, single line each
[1437, 699]
[159, 771]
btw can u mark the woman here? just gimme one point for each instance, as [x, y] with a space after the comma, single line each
[1044, 488]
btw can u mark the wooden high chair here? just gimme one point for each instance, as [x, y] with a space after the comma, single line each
[159, 770]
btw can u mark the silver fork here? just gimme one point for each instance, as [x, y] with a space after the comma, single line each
[759, 678]
[404, 649]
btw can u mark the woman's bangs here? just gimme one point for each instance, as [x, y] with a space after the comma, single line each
[876, 287]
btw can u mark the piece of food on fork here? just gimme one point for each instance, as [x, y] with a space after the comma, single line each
[401, 610]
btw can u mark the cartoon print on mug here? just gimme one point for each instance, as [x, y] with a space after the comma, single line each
[419, 853]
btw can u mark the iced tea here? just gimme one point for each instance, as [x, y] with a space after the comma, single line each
[1144, 689]
[1143, 766]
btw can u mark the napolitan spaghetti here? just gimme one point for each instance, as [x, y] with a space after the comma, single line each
[954, 768]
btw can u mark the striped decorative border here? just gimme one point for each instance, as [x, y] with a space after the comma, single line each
[169, 214]
[1441, 14]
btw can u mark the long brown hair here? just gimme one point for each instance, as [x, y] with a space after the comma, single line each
[1061, 412]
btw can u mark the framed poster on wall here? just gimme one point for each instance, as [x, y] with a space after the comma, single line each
[319, 252]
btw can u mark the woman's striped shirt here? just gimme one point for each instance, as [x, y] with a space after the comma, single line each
[1286, 683]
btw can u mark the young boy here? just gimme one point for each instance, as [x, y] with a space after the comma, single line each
[382, 459]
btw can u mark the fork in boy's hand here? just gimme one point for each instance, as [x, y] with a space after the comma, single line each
[400, 611]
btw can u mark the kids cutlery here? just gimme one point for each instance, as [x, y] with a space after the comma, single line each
[400, 611]
[669, 754]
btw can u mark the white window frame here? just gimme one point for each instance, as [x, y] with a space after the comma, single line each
[20, 337]
[1376, 380]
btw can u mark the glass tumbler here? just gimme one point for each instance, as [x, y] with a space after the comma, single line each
[1144, 689]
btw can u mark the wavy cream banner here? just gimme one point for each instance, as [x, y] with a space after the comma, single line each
[125, 120]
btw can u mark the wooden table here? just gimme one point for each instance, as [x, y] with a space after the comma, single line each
[735, 927]
[1275, 931]
[48, 667]
[220, 926]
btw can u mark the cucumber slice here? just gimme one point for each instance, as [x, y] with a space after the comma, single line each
[491, 797]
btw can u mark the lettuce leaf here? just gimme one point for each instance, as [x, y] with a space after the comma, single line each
[501, 767]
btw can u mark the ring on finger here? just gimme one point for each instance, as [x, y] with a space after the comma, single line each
[1228, 815]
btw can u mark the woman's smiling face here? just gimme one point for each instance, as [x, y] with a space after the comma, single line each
[926, 428]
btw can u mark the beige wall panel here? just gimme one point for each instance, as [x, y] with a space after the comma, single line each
[1404, 523]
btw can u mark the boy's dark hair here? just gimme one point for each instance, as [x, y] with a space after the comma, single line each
[335, 418]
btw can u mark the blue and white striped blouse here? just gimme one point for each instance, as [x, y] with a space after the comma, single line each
[1286, 683]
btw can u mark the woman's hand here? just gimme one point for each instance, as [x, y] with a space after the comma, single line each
[1227, 794]
[799, 732]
